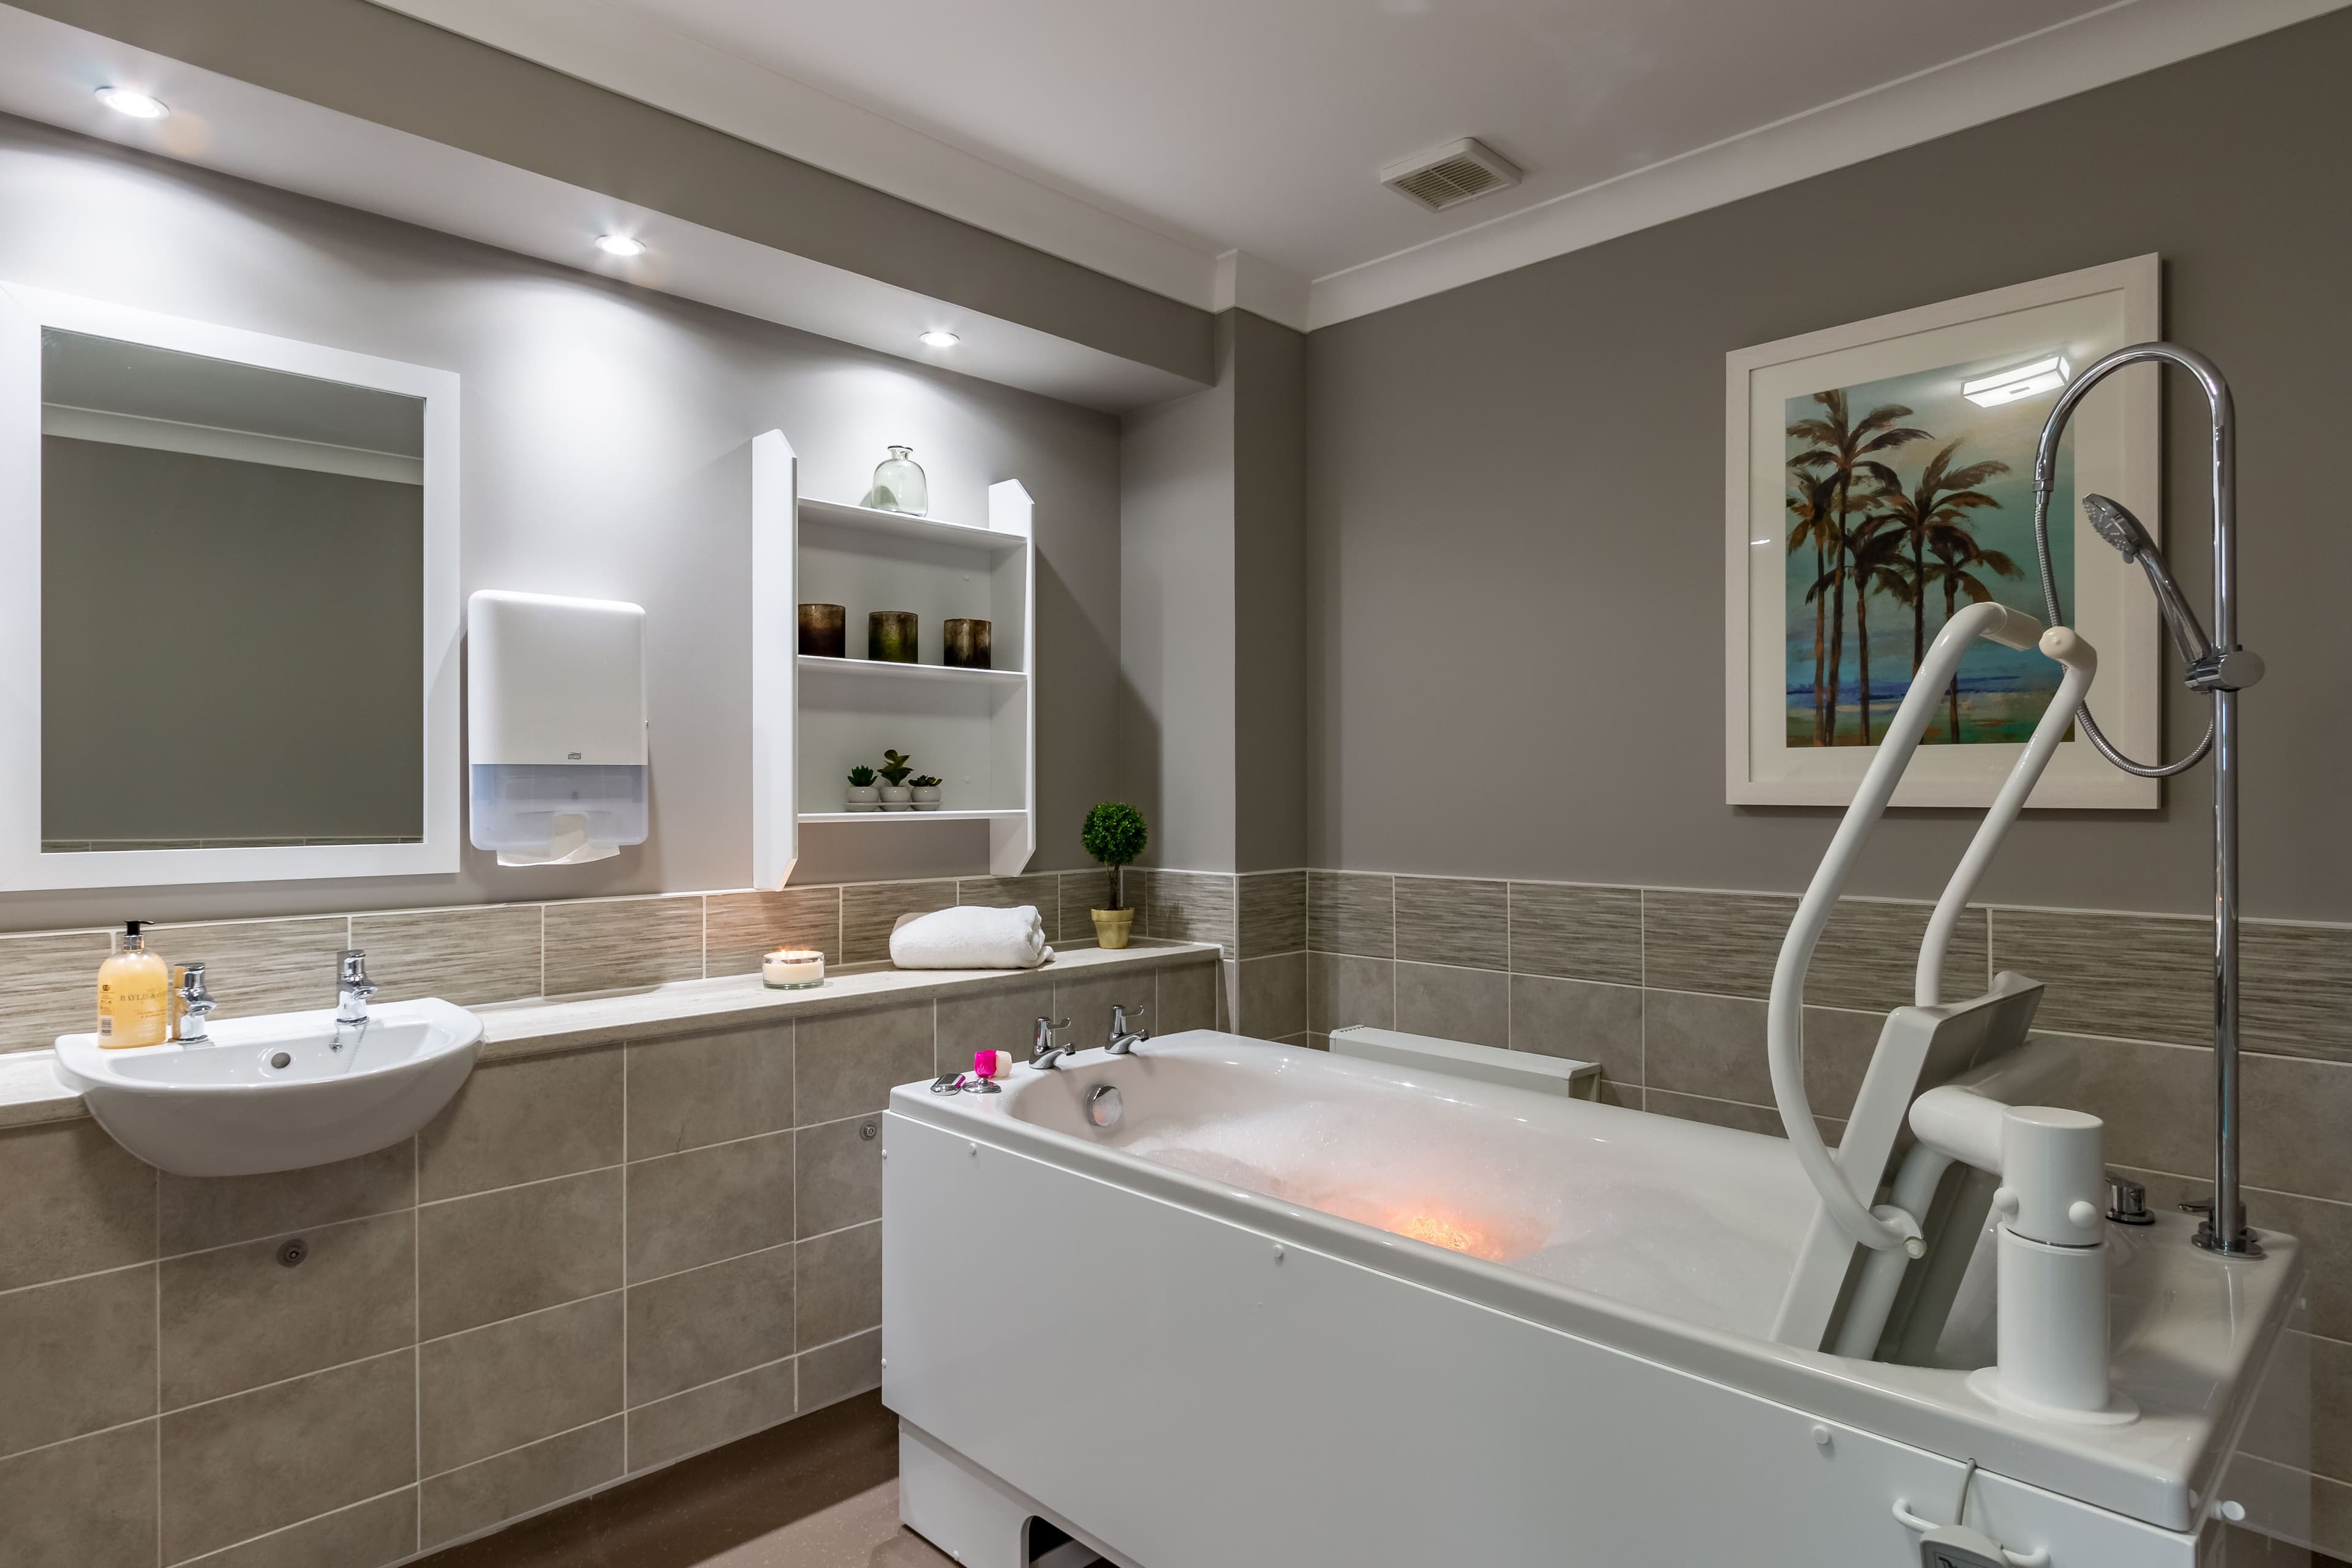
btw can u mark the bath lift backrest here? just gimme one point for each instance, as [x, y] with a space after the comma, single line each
[1921, 1047]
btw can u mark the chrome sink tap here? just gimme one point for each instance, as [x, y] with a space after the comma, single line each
[197, 1005]
[1123, 1039]
[1045, 1053]
[352, 986]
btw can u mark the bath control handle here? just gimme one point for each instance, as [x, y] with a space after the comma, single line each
[2128, 1201]
[1045, 1051]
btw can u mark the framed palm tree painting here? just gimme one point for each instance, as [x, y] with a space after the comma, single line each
[1880, 477]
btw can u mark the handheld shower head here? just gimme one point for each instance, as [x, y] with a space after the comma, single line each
[2115, 523]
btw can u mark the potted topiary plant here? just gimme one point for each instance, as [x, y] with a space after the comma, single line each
[863, 796]
[1115, 834]
[895, 796]
[925, 790]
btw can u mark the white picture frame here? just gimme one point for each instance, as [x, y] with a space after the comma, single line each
[25, 312]
[2115, 448]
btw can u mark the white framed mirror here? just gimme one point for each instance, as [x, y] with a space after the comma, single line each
[229, 609]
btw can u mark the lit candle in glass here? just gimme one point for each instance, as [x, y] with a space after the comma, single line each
[793, 969]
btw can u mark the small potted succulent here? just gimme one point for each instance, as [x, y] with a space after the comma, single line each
[863, 796]
[895, 796]
[925, 790]
[1115, 834]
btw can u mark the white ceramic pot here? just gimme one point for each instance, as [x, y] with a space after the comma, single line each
[863, 797]
[897, 797]
[927, 797]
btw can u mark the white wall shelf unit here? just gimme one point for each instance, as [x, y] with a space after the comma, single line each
[814, 718]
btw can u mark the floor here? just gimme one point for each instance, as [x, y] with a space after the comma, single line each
[819, 1492]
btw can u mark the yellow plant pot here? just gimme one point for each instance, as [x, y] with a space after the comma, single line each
[1111, 926]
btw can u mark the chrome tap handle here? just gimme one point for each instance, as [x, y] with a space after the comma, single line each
[1043, 1050]
[1118, 1024]
[2128, 1201]
[352, 986]
[195, 1005]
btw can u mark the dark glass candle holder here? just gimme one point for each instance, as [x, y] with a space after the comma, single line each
[824, 631]
[891, 636]
[967, 644]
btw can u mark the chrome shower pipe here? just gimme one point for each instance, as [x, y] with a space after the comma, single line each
[2226, 668]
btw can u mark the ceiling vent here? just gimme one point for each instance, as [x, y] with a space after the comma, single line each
[1448, 175]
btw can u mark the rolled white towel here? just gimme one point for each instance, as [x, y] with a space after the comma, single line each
[971, 937]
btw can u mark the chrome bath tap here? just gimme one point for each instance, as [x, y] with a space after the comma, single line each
[1045, 1053]
[352, 986]
[2217, 666]
[1123, 1039]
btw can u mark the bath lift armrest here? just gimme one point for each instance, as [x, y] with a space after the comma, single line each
[1890, 1227]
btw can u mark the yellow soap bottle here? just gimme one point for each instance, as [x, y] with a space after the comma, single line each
[134, 995]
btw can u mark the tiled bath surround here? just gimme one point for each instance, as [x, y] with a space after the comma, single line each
[594, 1262]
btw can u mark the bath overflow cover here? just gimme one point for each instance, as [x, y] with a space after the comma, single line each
[1102, 1106]
[280, 1060]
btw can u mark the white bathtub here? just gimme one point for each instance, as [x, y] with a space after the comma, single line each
[1211, 1335]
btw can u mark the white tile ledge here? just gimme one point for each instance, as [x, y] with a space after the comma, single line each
[29, 1091]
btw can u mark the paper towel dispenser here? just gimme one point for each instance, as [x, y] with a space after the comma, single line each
[555, 726]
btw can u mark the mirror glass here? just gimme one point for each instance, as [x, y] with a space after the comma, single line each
[232, 603]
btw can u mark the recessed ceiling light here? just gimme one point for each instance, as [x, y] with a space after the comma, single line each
[620, 245]
[132, 102]
[2026, 381]
[936, 339]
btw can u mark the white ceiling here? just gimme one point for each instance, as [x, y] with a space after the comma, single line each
[1260, 124]
[1224, 151]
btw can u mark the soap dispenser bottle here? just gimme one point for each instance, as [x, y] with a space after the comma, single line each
[134, 995]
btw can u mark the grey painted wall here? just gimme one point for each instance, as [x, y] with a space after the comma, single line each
[1212, 734]
[604, 440]
[1517, 501]
[395, 70]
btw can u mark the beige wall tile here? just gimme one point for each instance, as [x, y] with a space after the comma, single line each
[2294, 1113]
[1271, 997]
[2157, 1100]
[517, 1249]
[1441, 920]
[1838, 1047]
[469, 956]
[612, 944]
[1273, 912]
[739, 927]
[2141, 977]
[524, 1121]
[996, 1018]
[838, 1175]
[1869, 956]
[72, 1201]
[1472, 1004]
[1577, 934]
[868, 911]
[831, 1374]
[2297, 981]
[715, 1412]
[238, 1467]
[1351, 911]
[1186, 998]
[1193, 906]
[1581, 1020]
[709, 1088]
[366, 1535]
[1715, 1112]
[1080, 891]
[199, 1212]
[708, 1323]
[687, 1210]
[1706, 1045]
[481, 1495]
[840, 1284]
[75, 1355]
[2305, 1415]
[491, 1389]
[1086, 998]
[1724, 943]
[1343, 990]
[260, 967]
[235, 1318]
[89, 1503]
[849, 1062]
[48, 986]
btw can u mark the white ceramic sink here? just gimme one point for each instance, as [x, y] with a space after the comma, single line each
[279, 1093]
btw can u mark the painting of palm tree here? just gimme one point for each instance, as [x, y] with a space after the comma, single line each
[1897, 515]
